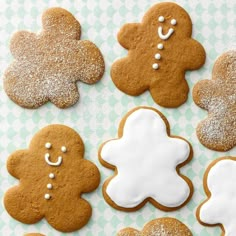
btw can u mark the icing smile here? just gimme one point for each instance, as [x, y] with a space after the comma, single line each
[165, 36]
[57, 163]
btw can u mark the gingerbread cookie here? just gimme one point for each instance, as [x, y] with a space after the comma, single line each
[147, 161]
[220, 206]
[160, 51]
[48, 65]
[218, 97]
[159, 227]
[53, 175]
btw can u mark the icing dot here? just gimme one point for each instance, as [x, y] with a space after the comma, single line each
[63, 149]
[47, 196]
[49, 186]
[160, 46]
[47, 155]
[51, 176]
[161, 19]
[158, 56]
[173, 21]
[48, 145]
[155, 66]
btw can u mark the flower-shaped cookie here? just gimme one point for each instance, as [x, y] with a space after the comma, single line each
[219, 185]
[53, 175]
[159, 227]
[48, 65]
[146, 160]
[160, 51]
[218, 97]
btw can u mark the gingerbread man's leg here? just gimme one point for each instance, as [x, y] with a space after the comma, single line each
[128, 78]
[70, 216]
[20, 205]
[170, 92]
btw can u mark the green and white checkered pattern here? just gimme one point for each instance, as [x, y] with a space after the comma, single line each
[96, 116]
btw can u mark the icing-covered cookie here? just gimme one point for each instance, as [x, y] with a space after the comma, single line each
[52, 180]
[47, 65]
[147, 161]
[160, 51]
[218, 97]
[220, 206]
[159, 227]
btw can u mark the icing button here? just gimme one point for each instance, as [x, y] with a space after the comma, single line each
[47, 196]
[160, 46]
[51, 176]
[158, 56]
[155, 66]
[49, 186]
[63, 149]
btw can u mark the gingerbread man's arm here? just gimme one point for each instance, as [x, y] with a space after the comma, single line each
[128, 36]
[16, 163]
[194, 54]
[22, 43]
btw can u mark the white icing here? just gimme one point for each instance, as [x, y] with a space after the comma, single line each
[161, 19]
[160, 46]
[165, 36]
[47, 196]
[158, 56]
[57, 163]
[48, 145]
[51, 176]
[63, 149]
[49, 186]
[173, 21]
[155, 66]
[146, 159]
[221, 207]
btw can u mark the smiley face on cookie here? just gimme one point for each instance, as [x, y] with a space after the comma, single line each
[160, 51]
[53, 175]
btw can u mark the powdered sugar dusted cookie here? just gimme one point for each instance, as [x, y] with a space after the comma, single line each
[160, 51]
[48, 65]
[159, 227]
[220, 206]
[147, 162]
[53, 175]
[218, 97]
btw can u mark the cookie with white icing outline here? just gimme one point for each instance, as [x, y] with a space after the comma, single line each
[160, 50]
[159, 227]
[47, 65]
[52, 177]
[219, 209]
[147, 161]
[218, 97]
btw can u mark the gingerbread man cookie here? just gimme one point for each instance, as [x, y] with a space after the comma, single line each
[160, 51]
[220, 206]
[53, 175]
[48, 65]
[147, 162]
[159, 227]
[218, 97]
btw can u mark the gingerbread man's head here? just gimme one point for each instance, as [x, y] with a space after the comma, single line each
[48, 65]
[218, 97]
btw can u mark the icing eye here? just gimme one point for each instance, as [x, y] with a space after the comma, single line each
[173, 22]
[161, 19]
[48, 145]
[63, 149]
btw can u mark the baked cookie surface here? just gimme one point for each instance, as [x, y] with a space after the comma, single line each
[47, 65]
[160, 50]
[52, 177]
